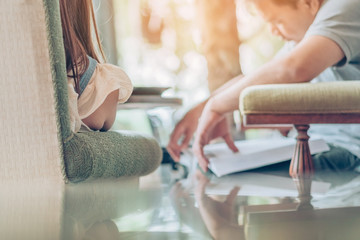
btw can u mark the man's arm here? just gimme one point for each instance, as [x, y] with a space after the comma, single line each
[311, 57]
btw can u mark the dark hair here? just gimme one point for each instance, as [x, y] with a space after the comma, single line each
[78, 21]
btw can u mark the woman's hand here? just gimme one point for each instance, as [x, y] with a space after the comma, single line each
[184, 130]
[211, 125]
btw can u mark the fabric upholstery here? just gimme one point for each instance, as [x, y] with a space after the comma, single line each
[29, 144]
[94, 155]
[302, 98]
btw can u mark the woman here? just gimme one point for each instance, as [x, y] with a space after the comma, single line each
[94, 88]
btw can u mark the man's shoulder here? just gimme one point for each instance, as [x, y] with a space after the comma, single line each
[334, 9]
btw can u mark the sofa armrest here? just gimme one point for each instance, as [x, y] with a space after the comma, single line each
[91, 155]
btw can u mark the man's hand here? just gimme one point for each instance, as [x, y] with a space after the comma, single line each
[211, 125]
[184, 130]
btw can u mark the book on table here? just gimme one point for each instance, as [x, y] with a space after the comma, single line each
[255, 154]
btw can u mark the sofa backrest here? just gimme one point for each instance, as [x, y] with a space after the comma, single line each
[33, 120]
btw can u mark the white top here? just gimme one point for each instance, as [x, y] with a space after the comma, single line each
[105, 79]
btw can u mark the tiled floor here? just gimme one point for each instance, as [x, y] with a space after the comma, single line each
[162, 205]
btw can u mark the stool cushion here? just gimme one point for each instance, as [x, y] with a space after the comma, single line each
[302, 98]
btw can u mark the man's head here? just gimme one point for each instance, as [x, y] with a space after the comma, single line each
[289, 19]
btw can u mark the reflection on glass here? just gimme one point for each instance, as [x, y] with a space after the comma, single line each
[163, 208]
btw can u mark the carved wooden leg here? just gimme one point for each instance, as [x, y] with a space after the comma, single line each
[301, 163]
[302, 168]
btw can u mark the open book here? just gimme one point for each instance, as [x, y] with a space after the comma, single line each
[255, 153]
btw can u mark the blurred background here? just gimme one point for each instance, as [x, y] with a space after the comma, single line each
[190, 46]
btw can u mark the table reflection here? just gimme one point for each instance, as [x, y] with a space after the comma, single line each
[235, 216]
[252, 205]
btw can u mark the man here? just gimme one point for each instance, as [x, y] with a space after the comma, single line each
[324, 45]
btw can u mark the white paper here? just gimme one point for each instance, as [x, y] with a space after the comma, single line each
[255, 153]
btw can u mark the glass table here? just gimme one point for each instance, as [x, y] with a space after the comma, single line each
[179, 202]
